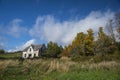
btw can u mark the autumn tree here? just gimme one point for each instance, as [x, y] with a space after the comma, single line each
[53, 50]
[78, 44]
[89, 42]
[83, 44]
[67, 51]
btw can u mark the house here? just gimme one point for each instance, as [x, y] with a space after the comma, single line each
[33, 51]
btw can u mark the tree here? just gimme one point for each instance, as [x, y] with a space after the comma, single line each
[89, 42]
[53, 50]
[118, 30]
[103, 43]
[110, 31]
[78, 44]
[117, 19]
[117, 22]
[67, 51]
[83, 44]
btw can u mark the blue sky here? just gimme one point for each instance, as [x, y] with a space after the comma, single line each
[25, 22]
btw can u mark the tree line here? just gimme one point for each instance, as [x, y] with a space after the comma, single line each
[86, 44]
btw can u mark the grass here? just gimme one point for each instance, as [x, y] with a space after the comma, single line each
[83, 75]
[10, 56]
[12, 68]
[56, 69]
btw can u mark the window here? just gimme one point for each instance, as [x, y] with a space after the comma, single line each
[30, 49]
[25, 55]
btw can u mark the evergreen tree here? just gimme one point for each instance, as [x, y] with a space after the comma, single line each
[53, 50]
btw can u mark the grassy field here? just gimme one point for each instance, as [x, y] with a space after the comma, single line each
[10, 56]
[56, 69]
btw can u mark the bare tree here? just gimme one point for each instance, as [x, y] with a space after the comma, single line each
[110, 30]
[117, 22]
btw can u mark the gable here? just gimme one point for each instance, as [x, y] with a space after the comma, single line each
[33, 48]
[30, 49]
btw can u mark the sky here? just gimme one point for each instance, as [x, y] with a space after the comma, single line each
[25, 22]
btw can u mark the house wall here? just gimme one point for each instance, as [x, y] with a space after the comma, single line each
[30, 50]
[30, 53]
[24, 55]
[36, 54]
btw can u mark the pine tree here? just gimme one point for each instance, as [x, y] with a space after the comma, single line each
[53, 50]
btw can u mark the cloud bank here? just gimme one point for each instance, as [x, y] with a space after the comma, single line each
[50, 29]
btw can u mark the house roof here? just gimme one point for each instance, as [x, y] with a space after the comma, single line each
[35, 47]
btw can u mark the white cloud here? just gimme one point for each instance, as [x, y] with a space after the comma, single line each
[50, 29]
[23, 46]
[15, 29]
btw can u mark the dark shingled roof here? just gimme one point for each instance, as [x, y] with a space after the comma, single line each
[35, 47]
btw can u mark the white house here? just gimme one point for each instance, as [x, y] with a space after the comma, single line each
[33, 51]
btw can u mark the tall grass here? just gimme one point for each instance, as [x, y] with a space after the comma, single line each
[60, 65]
[6, 63]
[58, 69]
